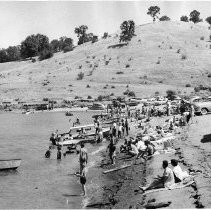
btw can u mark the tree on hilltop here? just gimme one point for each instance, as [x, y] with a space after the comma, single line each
[184, 18]
[208, 20]
[81, 34]
[128, 31]
[55, 45]
[164, 18]
[153, 11]
[195, 16]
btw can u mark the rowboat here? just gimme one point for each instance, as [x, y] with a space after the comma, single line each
[9, 164]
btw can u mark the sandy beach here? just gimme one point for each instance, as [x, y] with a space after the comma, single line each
[119, 189]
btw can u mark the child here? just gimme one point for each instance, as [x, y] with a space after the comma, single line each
[82, 176]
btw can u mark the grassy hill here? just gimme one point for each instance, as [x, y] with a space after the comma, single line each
[163, 55]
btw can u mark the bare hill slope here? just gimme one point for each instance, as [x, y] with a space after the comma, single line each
[164, 55]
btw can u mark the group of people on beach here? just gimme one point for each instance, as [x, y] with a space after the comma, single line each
[141, 145]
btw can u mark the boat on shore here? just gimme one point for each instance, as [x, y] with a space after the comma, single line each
[9, 164]
[68, 113]
[97, 106]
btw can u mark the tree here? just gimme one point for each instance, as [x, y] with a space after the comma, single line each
[208, 20]
[171, 95]
[195, 16]
[13, 53]
[55, 45]
[45, 54]
[94, 39]
[153, 11]
[3, 56]
[164, 18]
[184, 18]
[29, 47]
[33, 45]
[128, 30]
[105, 35]
[81, 34]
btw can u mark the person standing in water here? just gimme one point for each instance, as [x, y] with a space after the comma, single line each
[82, 176]
[83, 158]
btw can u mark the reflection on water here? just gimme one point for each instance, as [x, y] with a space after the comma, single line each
[38, 182]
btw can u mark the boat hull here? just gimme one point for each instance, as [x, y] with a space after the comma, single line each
[9, 164]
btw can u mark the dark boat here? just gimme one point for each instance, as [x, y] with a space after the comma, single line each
[68, 113]
[9, 164]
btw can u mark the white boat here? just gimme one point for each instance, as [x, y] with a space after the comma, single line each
[9, 164]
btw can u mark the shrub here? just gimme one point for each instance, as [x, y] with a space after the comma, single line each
[158, 62]
[209, 75]
[157, 93]
[113, 78]
[178, 51]
[104, 87]
[100, 98]
[45, 54]
[88, 86]
[77, 97]
[127, 66]
[202, 38]
[45, 99]
[93, 57]
[170, 47]
[196, 89]
[132, 94]
[119, 72]
[89, 97]
[183, 57]
[80, 76]
[80, 66]
[33, 60]
[187, 85]
[67, 49]
[70, 85]
[106, 63]
[112, 94]
[112, 86]
[171, 95]
[129, 93]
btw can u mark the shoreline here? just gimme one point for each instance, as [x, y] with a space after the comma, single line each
[120, 188]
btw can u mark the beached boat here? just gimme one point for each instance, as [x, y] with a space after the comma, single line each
[97, 106]
[9, 164]
[68, 113]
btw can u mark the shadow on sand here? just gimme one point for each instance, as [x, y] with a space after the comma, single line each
[206, 138]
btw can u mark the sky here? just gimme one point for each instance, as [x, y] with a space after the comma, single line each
[18, 19]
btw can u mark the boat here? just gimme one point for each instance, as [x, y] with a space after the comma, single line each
[9, 164]
[68, 113]
[97, 106]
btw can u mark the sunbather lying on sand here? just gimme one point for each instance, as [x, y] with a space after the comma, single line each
[165, 181]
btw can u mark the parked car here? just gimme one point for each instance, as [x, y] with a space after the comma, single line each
[202, 106]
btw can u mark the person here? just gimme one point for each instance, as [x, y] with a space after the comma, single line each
[110, 133]
[112, 152]
[179, 175]
[150, 150]
[133, 150]
[126, 126]
[114, 129]
[48, 153]
[141, 148]
[53, 139]
[59, 153]
[82, 176]
[83, 157]
[192, 112]
[165, 181]
[120, 131]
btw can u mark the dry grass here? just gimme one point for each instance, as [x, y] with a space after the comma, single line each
[173, 71]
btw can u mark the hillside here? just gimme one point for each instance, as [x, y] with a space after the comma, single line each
[153, 58]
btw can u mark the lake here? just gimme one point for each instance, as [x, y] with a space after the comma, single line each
[39, 182]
